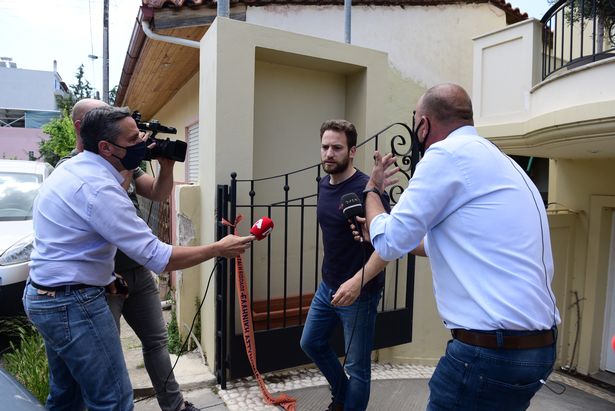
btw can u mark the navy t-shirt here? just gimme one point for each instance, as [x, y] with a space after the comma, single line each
[343, 256]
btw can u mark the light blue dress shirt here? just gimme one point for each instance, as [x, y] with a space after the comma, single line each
[81, 216]
[486, 233]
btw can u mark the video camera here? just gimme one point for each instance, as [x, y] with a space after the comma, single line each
[173, 150]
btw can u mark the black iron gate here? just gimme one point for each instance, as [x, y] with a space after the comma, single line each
[283, 271]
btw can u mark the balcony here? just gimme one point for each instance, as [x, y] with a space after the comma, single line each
[547, 88]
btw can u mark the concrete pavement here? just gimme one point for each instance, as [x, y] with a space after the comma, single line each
[394, 387]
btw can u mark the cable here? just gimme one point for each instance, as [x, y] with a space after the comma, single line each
[184, 345]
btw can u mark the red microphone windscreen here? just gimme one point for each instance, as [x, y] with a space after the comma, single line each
[262, 228]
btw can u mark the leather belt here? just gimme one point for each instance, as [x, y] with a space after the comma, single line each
[537, 339]
[59, 287]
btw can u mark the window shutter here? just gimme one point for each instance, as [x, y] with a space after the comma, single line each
[192, 158]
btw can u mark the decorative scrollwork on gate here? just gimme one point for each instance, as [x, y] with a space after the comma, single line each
[404, 146]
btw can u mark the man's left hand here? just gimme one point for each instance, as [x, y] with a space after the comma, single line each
[348, 292]
[382, 173]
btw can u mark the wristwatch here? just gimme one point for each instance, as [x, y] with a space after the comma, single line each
[370, 190]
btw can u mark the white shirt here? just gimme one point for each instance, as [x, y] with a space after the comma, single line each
[81, 215]
[486, 233]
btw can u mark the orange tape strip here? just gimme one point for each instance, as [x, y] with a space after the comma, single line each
[287, 402]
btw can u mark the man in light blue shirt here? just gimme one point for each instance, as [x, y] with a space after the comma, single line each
[81, 216]
[481, 221]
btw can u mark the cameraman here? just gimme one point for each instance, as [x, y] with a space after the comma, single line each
[81, 214]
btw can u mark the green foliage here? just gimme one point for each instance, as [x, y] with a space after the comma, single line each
[81, 89]
[61, 139]
[197, 322]
[583, 11]
[112, 95]
[173, 332]
[27, 360]
[61, 131]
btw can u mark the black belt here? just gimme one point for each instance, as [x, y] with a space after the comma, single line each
[65, 287]
[537, 339]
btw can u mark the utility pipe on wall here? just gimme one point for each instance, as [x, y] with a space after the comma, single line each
[347, 19]
[223, 8]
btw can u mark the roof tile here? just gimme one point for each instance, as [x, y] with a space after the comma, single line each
[513, 14]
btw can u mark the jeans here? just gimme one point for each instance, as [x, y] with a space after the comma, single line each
[142, 312]
[86, 363]
[352, 391]
[474, 378]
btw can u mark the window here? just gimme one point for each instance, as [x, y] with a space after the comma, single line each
[192, 157]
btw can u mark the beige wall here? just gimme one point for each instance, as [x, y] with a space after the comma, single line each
[189, 286]
[180, 112]
[586, 188]
[571, 114]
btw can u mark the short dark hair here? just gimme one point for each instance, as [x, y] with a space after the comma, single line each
[341, 126]
[102, 123]
[448, 103]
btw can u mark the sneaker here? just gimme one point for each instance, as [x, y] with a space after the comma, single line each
[335, 407]
[188, 406]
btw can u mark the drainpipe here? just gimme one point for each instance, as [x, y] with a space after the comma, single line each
[347, 7]
[223, 8]
[168, 39]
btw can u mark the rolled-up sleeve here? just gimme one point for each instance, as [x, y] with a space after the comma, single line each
[388, 251]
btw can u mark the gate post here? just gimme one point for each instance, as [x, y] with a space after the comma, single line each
[222, 337]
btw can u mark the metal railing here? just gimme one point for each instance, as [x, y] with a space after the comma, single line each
[576, 33]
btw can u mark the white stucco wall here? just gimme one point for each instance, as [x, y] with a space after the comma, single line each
[426, 44]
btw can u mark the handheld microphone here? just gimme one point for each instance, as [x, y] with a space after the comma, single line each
[352, 208]
[262, 227]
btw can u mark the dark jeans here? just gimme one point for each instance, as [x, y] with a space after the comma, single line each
[352, 391]
[474, 378]
[142, 312]
[86, 362]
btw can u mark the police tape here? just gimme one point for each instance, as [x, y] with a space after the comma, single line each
[247, 328]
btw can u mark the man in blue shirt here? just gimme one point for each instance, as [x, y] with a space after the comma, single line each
[140, 304]
[344, 295]
[81, 216]
[481, 221]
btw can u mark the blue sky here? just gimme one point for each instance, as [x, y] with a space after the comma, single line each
[37, 32]
[534, 8]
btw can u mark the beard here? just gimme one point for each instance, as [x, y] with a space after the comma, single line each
[338, 167]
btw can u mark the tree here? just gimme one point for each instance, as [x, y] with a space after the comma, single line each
[584, 11]
[61, 141]
[113, 95]
[82, 89]
[60, 130]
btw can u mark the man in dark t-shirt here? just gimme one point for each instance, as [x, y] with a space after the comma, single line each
[346, 294]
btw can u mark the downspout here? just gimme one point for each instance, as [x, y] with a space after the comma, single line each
[168, 39]
[347, 20]
[223, 8]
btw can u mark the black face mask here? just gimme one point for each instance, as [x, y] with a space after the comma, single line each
[423, 145]
[134, 155]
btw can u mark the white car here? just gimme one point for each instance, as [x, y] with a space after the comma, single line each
[19, 184]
